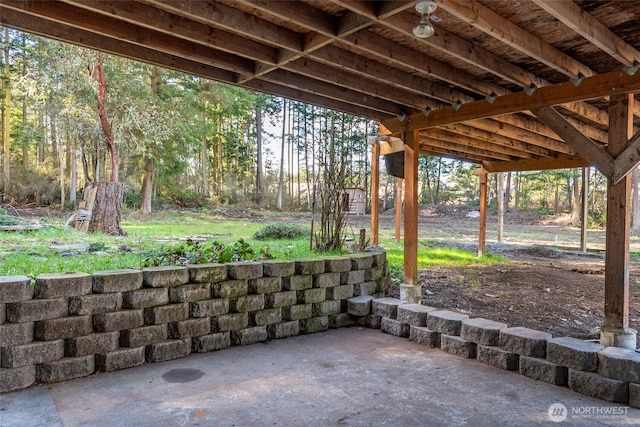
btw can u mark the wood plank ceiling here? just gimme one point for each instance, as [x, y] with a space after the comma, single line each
[479, 89]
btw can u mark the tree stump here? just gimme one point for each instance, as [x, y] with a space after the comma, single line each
[104, 201]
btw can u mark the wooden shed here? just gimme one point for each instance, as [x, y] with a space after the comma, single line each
[356, 200]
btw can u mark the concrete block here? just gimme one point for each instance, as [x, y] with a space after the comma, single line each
[165, 276]
[524, 341]
[120, 359]
[360, 305]
[209, 307]
[340, 292]
[386, 307]
[337, 264]
[116, 281]
[597, 386]
[168, 350]
[326, 308]
[297, 283]
[118, 320]
[37, 309]
[32, 353]
[423, 335]
[414, 314]
[91, 344]
[244, 270]
[139, 337]
[498, 358]
[634, 395]
[445, 321]
[144, 298]
[265, 285]
[16, 334]
[166, 313]
[383, 285]
[361, 261]
[15, 288]
[542, 370]
[620, 364]
[17, 378]
[373, 321]
[95, 303]
[247, 303]
[65, 327]
[457, 346]
[373, 274]
[364, 288]
[481, 331]
[189, 328]
[211, 342]
[62, 285]
[207, 273]
[574, 353]
[352, 277]
[394, 327]
[229, 322]
[314, 324]
[281, 299]
[341, 320]
[309, 296]
[283, 330]
[278, 268]
[297, 312]
[249, 335]
[309, 266]
[65, 369]
[378, 257]
[189, 293]
[230, 289]
[268, 317]
[326, 280]
[3, 312]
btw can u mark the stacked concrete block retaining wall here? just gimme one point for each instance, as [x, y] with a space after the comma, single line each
[611, 374]
[70, 325]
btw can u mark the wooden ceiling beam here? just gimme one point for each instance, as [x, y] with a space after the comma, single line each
[535, 165]
[588, 149]
[493, 138]
[154, 19]
[599, 86]
[486, 20]
[65, 33]
[459, 151]
[86, 20]
[576, 18]
[459, 138]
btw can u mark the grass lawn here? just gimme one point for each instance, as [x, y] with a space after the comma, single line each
[55, 249]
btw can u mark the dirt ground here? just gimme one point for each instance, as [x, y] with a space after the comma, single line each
[547, 283]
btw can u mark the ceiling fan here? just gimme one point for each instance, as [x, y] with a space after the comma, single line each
[426, 8]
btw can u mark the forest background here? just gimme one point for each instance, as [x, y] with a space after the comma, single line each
[183, 141]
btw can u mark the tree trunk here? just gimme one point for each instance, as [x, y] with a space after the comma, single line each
[507, 192]
[575, 203]
[106, 209]
[500, 198]
[104, 121]
[147, 185]
[517, 190]
[282, 148]
[73, 172]
[260, 200]
[6, 118]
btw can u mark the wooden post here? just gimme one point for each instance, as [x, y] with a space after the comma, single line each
[500, 196]
[398, 209]
[410, 291]
[615, 331]
[482, 234]
[375, 193]
[585, 209]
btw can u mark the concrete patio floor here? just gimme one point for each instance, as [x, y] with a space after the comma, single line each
[349, 376]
